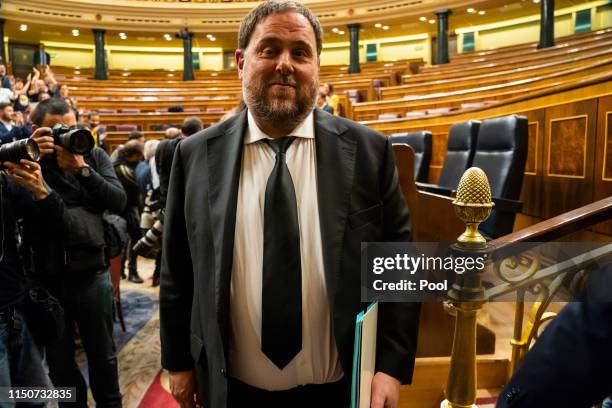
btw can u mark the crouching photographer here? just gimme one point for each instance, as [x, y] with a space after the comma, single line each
[29, 212]
[74, 267]
[164, 154]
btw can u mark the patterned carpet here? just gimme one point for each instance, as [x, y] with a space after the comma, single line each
[138, 347]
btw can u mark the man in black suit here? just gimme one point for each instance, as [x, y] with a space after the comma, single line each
[265, 217]
[569, 365]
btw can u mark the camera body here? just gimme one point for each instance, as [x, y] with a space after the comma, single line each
[75, 139]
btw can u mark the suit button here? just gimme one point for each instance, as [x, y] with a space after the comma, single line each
[223, 371]
[512, 394]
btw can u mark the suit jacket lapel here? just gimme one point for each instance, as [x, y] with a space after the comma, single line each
[224, 162]
[335, 169]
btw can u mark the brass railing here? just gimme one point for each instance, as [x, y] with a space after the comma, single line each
[521, 275]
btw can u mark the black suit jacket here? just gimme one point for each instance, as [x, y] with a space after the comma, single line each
[569, 365]
[359, 201]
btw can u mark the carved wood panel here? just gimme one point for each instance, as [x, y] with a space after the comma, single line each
[603, 159]
[569, 166]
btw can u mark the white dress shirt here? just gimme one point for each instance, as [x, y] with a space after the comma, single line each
[318, 361]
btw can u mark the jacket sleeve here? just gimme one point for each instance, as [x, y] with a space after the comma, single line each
[176, 291]
[398, 323]
[103, 185]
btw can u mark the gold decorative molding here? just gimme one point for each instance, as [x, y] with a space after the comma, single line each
[585, 139]
[537, 133]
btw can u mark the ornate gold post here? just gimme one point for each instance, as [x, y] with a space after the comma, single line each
[473, 206]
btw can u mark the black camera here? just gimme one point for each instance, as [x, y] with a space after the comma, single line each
[75, 139]
[21, 149]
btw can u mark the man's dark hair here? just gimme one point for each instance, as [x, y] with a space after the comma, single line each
[191, 125]
[135, 134]
[51, 106]
[331, 87]
[132, 147]
[270, 7]
[4, 105]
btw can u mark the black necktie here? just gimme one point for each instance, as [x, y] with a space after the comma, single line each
[281, 313]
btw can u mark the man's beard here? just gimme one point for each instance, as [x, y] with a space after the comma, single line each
[283, 111]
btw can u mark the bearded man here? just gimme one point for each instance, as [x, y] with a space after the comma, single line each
[265, 216]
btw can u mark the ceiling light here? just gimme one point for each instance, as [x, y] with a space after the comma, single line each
[377, 25]
[334, 30]
[23, 27]
[77, 72]
[482, 12]
[423, 18]
[536, 1]
[341, 32]
[432, 21]
[385, 27]
[168, 37]
[471, 10]
[212, 38]
[122, 36]
[75, 32]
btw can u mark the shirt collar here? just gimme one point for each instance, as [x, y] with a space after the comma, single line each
[304, 129]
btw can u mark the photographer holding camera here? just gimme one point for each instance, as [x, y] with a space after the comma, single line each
[75, 269]
[24, 197]
[164, 154]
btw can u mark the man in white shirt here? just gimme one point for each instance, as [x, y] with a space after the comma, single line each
[265, 217]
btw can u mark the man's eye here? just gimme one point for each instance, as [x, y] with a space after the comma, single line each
[300, 53]
[267, 51]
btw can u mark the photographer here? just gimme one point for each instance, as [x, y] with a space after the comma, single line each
[125, 165]
[23, 196]
[163, 164]
[75, 268]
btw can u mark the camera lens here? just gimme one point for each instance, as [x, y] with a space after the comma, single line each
[81, 141]
[77, 140]
[20, 149]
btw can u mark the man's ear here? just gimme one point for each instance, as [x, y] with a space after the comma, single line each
[239, 55]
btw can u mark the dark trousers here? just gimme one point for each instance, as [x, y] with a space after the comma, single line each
[331, 395]
[89, 305]
[132, 219]
[157, 270]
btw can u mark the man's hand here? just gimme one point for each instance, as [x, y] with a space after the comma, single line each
[385, 391]
[28, 175]
[183, 388]
[68, 161]
[44, 140]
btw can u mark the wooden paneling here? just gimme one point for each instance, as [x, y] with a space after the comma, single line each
[532, 178]
[567, 143]
[439, 142]
[570, 157]
[603, 157]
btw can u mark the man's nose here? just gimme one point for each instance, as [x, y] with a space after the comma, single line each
[284, 65]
